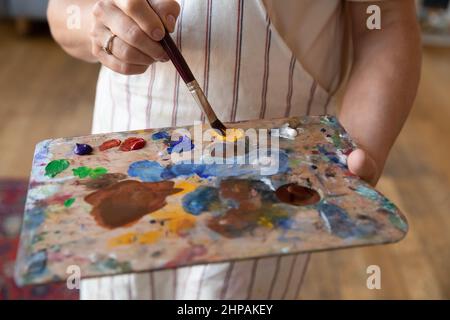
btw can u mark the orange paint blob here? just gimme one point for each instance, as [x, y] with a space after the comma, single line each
[109, 144]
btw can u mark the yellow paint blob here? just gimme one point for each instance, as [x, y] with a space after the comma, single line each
[131, 237]
[263, 221]
[122, 240]
[180, 225]
[176, 219]
[186, 186]
[232, 135]
[149, 237]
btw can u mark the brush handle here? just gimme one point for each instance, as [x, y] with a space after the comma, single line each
[177, 58]
[186, 74]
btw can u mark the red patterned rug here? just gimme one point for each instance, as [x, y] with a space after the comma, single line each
[12, 202]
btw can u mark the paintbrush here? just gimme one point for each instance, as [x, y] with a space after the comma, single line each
[186, 74]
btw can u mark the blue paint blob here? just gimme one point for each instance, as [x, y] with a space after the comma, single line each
[152, 171]
[147, 171]
[285, 223]
[334, 159]
[338, 221]
[184, 170]
[42, 151]
[331, 156]
[36, 264]
[161, 135]
[34, 218]
[82, 149]
[200, 200]
[183, 144]
[368, 193]
[248, 169]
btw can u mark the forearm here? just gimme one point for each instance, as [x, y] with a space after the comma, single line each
[383, 81]
[75, 41]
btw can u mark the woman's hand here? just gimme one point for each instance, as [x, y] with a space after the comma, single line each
[138, 26]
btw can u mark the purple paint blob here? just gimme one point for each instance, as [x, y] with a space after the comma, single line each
[82, 149]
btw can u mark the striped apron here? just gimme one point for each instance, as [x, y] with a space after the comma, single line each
[247, 72]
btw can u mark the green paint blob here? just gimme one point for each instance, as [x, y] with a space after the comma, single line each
[398, 222]
[111, 264]
[69, 202]
[97, 172]
[84, 172]
[56, 167]
[336, 140]
[81, 172]
[38, 237]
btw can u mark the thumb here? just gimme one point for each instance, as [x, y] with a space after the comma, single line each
[361, 164]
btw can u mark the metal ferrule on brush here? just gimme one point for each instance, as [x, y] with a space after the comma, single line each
[201, 100]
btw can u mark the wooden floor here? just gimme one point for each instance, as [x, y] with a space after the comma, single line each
[44, 93]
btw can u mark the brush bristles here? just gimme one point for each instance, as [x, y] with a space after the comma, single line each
[217, 124]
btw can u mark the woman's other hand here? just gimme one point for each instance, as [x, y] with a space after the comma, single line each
[363, 165]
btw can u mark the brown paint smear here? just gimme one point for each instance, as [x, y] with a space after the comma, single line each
[297, 195]
[125, 202]
[252, 204]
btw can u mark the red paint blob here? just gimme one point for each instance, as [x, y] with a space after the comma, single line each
[132, 144]
[110, 144]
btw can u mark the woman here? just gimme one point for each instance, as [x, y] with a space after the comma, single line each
[255, 59]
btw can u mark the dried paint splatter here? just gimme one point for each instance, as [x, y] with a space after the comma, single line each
[103, 181]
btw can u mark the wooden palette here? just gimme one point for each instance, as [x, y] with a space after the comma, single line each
[115, 212]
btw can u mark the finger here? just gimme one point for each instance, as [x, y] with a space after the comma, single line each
[126, 29]
[120, 49]
[361, 164]
[147, 19]
[115, 64]
[168, 11]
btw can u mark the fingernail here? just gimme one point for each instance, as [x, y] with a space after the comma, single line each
[171, 21]
[157, 34]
